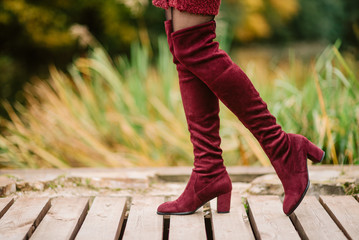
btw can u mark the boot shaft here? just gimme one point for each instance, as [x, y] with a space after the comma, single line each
[201, 108]
[195, 48]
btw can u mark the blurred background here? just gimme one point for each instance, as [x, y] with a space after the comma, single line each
[92, 83]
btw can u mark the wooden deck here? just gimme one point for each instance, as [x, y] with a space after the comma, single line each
[101, 217]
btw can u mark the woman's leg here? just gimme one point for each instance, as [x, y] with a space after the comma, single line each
[201, 109]
[168, 13]
[195, 48]
[182, 20]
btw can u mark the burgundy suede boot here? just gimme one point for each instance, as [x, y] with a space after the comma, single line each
[209, 178]
[195, 49]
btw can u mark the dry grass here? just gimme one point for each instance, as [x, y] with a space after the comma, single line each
[124, 112]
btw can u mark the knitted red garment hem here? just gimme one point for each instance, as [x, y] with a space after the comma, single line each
[203, 7]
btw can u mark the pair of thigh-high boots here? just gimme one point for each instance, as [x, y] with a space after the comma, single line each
[206, 74]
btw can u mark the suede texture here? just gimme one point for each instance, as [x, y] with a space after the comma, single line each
[203, 7]
[201, 109]
[209, 177]
[190, 200]
[195, 48]
[224, 203]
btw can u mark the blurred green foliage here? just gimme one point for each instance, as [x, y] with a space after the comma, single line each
[35, 34]
[115, 112]
[328, 19]
[293, 20]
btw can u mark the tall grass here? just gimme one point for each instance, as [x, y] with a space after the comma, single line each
[325, 108]
[104, 113]
[128, 112]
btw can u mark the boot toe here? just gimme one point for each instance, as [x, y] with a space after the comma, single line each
[292, 201]
[167, 207]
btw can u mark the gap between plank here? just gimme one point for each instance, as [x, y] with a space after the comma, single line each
[208, 223]
[298, 226]
[124, 222]
[6, 207]
[81, 219]
[252, 221]
[335, 219]
[166, 223]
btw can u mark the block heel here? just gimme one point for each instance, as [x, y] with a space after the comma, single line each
[314, 153]
[224, 203]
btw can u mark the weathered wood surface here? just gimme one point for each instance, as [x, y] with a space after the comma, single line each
[23, 217]
[233, 225]
[329, 217]
[104, 219]
[268, 220]
[313, 222]
[345, 212]
[187, 226]
[63, 219]
[143, 222]
[5, 203]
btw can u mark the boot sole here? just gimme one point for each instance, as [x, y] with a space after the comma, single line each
[181, 213]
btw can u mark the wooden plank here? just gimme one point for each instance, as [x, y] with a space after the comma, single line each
[232, 225]
[143, 222]
[22, 218]
[313, 222]
[63, 220]
[187, 226]
[345, 212]
[104, 219]
[5, 204]
[268, 220]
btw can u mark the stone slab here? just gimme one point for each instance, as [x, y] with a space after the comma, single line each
[7, 186]
[260, 180]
